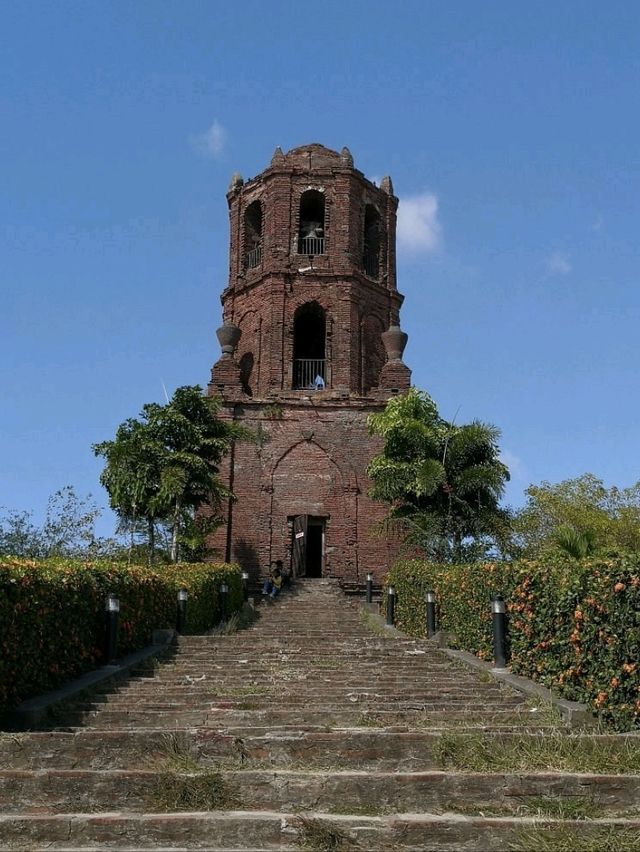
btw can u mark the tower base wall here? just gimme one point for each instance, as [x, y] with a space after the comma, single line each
[309, 459]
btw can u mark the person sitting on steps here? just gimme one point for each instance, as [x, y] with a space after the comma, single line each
[284, 572]
[273, 583]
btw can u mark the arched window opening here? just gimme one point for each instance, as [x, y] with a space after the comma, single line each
[253, 235]
[311, 234]
[372, 239]
[309, 333]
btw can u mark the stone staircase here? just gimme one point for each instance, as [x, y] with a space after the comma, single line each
[312, 729]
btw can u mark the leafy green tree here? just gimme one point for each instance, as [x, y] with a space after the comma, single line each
[68, 530]
[132, 478]
[443, 482]
[195, 530]
[194, 441]
[69, 526]
[19, 536]
[164, 466]
[578, 516]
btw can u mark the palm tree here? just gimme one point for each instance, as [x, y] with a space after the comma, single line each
[576, 543]
[443, 482]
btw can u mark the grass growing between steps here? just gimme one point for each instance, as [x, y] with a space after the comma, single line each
[372, 624]
[559, 807]
[178, 754]
[540, 711]
[550, 807]
[359, 810]
[199, 791]
[237, 621]
[366, 720]
[567, 839]
[421, 720]
[321, 836]
[538, 752]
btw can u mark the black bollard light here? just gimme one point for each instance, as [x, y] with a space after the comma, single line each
[245, 585]
[430, 600]
[499, 618]
[112, 608]
[391, 605]
[224, 591]
[369, 588]
[181, 616]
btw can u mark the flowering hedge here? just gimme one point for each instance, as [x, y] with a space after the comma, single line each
[574, 626]
[52, 619]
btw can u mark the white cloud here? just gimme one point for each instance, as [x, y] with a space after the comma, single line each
[514, 463]
[210, 143]
[558, 263]
[418, 225]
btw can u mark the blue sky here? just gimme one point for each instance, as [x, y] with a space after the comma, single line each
[510, 131]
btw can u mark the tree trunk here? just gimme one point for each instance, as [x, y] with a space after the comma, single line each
[152, 540]
[174, 532]
[131, 536]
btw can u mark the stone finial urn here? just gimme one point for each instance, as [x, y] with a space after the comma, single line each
[236, 182]
[386, 185]
[347, 157]
[394, 340]
[228, 336]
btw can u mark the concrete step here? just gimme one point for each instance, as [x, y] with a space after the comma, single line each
[295, 688]
[289, 678]
[257, 701]
[326, 735]
[64, 791]
[246, 830]
[405, 663]
[359, 748]
[356, 715]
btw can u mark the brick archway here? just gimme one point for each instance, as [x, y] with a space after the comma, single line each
[306, 480]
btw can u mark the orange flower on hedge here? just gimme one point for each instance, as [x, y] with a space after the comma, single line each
[601, 697]
[614, 682]
[578, 615]
[619, 587]
[628, 668]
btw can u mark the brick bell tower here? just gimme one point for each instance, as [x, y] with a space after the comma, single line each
[311, 345]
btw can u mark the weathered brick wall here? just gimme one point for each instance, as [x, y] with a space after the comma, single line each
[314, 446]
[262, 300]
[310, 459]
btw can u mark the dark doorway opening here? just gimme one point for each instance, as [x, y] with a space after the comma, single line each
[307, 545]
[315, 535]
